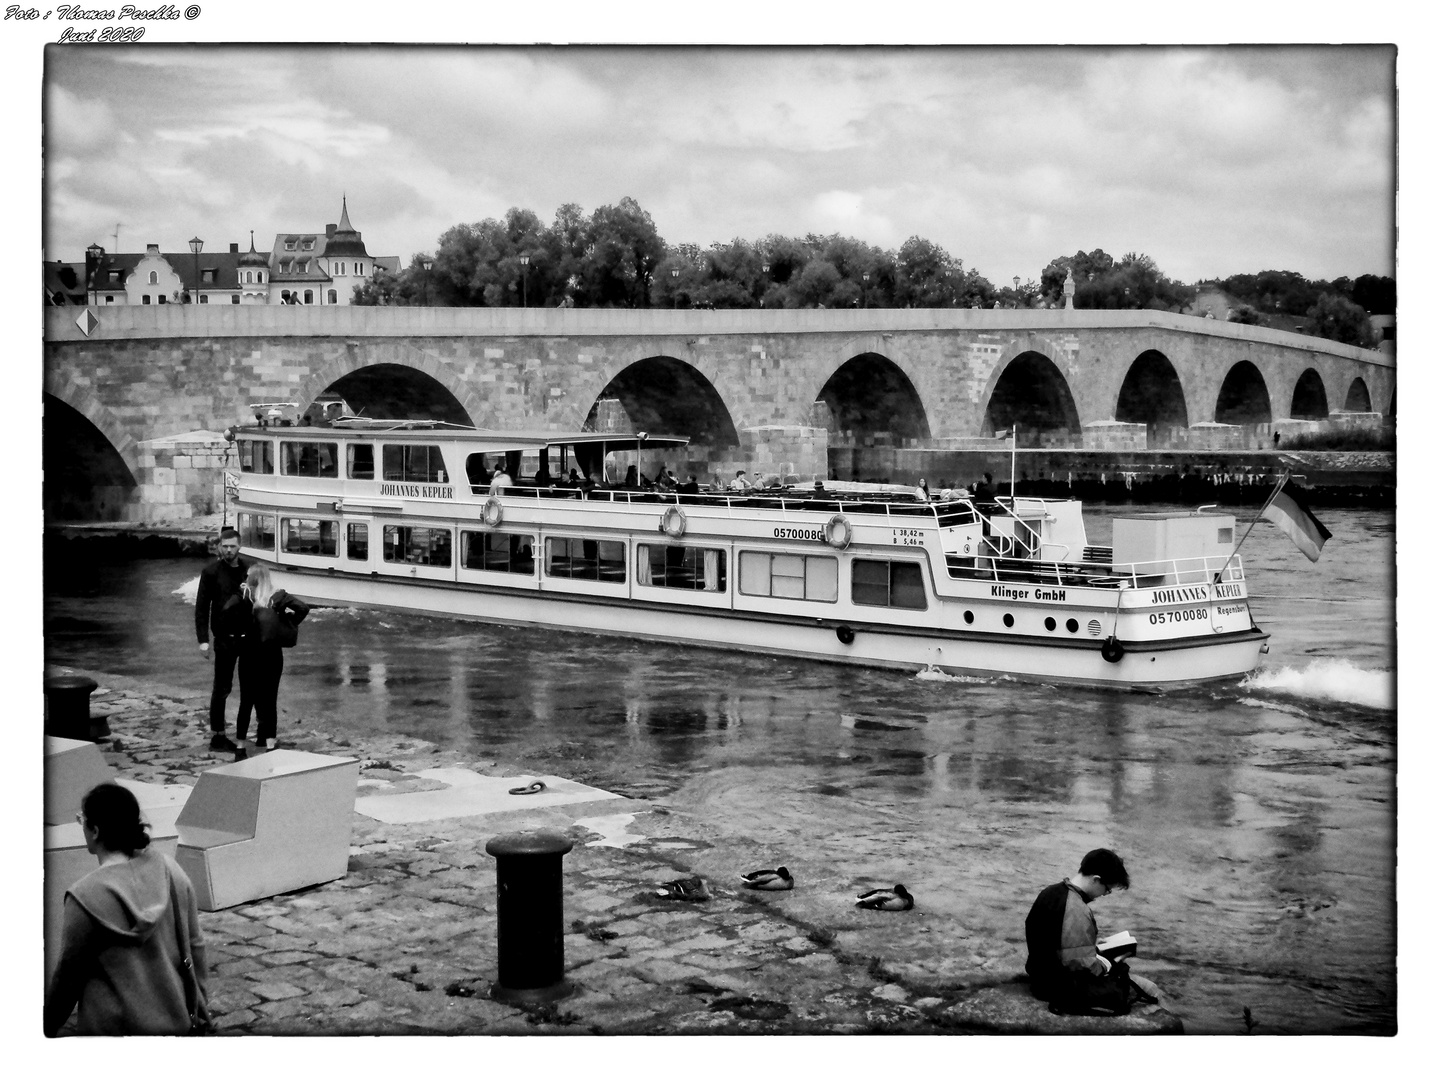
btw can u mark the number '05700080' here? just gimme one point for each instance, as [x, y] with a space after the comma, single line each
[1183, 615]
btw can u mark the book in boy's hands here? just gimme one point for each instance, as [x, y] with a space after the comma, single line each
[1117, 946]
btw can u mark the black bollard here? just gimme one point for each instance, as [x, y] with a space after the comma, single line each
[531, 916]
[67, 709]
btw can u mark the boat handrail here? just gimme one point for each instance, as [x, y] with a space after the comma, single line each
[827, 503]
[1160, 574]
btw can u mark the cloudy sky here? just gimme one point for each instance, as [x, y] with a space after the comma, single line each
[1213, 161]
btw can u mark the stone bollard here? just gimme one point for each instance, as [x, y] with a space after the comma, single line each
[531, 917]
[67, 709]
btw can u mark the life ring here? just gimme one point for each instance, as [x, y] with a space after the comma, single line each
[672, 522]
[1112, 650]
[845, 634]
[494, 512]
[838, 532]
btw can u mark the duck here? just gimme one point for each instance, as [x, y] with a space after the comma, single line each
[772, 880]
[896, 899]
[686, 888]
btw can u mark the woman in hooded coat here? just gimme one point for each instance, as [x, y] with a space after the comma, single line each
[131, 953]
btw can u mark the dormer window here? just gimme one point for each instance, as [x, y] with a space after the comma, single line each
[303, 266]
[289, 245]
[308, 245]
[207, 276]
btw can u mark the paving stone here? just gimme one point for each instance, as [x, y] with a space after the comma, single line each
[276, 991]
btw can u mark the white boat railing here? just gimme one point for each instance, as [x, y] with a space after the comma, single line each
[1144, 575]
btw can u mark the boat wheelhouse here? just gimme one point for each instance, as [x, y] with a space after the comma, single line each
[403, 515]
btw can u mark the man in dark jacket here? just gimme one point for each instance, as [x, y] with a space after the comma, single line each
[220, 584]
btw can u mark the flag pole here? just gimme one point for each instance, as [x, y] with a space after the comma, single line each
[1263, 506]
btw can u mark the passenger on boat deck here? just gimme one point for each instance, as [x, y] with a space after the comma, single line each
[500, 480]
[739, 483]
[923, 491]
[982, 491]
[573, 480]
[690, 487]
[588, 484]
[632, 477]
[665, 481]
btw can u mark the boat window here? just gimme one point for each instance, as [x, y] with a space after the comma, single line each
[360, 461]
[309, 459]
[588, 560]
[307, 536]
[414, 464]
[676, 567]
[357, 541]
[795, 577]
[420, 546]
[882, 583]
[256, 455]
[256, 530]
[508, 553]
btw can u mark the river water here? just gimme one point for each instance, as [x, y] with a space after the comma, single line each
[1257, 819]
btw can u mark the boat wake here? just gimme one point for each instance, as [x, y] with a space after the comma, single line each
[188, 590]
[934, 674]
[1328, 680]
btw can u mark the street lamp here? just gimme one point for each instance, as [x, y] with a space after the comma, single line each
[675, 293]
[195, 245]
[93, 254]
[864, 299]
[427, 263]
[525, 282]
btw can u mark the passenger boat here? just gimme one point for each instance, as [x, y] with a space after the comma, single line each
[401, 515]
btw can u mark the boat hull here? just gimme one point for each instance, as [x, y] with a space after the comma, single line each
[1159, 664]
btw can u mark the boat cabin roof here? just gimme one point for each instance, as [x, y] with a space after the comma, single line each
[475, 439]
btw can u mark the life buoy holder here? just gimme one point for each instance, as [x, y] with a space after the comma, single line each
[494, 512]
[1112, 650]
[838, 532]
[672, 522]
[845, 634]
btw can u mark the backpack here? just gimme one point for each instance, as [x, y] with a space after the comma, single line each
[1110, 994]
[234, 619]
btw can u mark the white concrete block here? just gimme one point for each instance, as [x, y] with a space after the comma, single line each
[271, 824]
[72, 768]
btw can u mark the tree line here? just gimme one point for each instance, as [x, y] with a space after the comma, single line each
[615, 257]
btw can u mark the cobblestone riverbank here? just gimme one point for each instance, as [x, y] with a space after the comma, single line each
[406, 941]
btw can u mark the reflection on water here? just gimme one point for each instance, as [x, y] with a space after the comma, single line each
[1257, 821]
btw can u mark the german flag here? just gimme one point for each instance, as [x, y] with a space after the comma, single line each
[1287, 510]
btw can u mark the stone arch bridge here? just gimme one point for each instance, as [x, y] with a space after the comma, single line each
[133, 407]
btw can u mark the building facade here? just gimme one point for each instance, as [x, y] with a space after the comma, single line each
[300, 268]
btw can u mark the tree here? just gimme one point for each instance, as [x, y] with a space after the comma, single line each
[1341, 320]
[926, 275]
[1244, 315]
[1375, 294]
[624, 251]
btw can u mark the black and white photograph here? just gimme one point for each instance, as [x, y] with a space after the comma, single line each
[887, 534]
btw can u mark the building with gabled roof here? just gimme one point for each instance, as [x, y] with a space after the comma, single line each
[311, 268]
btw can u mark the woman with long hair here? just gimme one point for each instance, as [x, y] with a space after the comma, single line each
[131, 953]
[275, 615]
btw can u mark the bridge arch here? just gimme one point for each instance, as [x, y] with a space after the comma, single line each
[1243, 399]
[78, 398]
[400, 366]
[870, 395]
[1309, 401]
[1357, 398]
[1030, 392]
[666, 395]
[1152, 395]
[86, 478]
